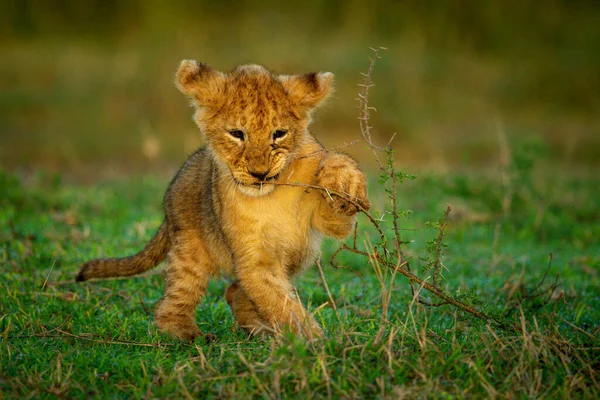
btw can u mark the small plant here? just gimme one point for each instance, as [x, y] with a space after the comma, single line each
[388, 252]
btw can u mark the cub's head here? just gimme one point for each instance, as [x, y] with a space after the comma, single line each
[253, 119]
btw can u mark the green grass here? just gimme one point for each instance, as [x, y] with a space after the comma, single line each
[61, 339]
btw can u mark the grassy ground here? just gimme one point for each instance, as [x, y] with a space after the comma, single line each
[61, 339]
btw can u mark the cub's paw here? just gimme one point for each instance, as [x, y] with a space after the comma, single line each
[185, 333]
[340, 174]
[190, 334]
[182, 327]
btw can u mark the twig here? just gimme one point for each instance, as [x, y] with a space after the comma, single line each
[362, 278]
[439, 245]
[537, 291]
[326, 286]
[428, 304]
[90, 337]
[579, 329]
[397, 239]
[364, 111]
[46, 333]
[314, 153]
[436, 291]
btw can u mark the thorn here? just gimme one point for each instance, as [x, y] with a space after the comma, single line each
[328, 194]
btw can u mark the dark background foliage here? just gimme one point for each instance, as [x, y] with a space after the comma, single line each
[88, 84]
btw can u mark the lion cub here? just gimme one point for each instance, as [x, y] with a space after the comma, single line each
[229, 208]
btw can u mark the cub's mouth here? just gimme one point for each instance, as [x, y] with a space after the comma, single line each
[269, 179]
[257, 188]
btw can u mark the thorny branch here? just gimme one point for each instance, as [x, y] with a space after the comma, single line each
[364, 110]
[381, 252]
[401, 265]
[431, 288]
[364, 115]
[314, 153]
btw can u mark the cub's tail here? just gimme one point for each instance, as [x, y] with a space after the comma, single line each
[153, 253]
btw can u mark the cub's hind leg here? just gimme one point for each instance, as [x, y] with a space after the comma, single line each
[244, 310]
[188, 272]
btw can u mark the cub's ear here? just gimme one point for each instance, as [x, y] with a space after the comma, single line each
[201, 83]
[308, 90]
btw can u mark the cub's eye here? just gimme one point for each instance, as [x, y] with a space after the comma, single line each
[279, 133]
[236, 133]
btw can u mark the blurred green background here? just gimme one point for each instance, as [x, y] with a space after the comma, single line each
[86, 86]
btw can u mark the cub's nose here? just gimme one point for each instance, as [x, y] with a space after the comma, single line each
[260, 175]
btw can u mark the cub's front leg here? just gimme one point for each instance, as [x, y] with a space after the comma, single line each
[340, 174]
[264, 296]
[244, 310]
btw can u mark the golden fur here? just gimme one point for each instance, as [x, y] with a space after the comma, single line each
[224, 210]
